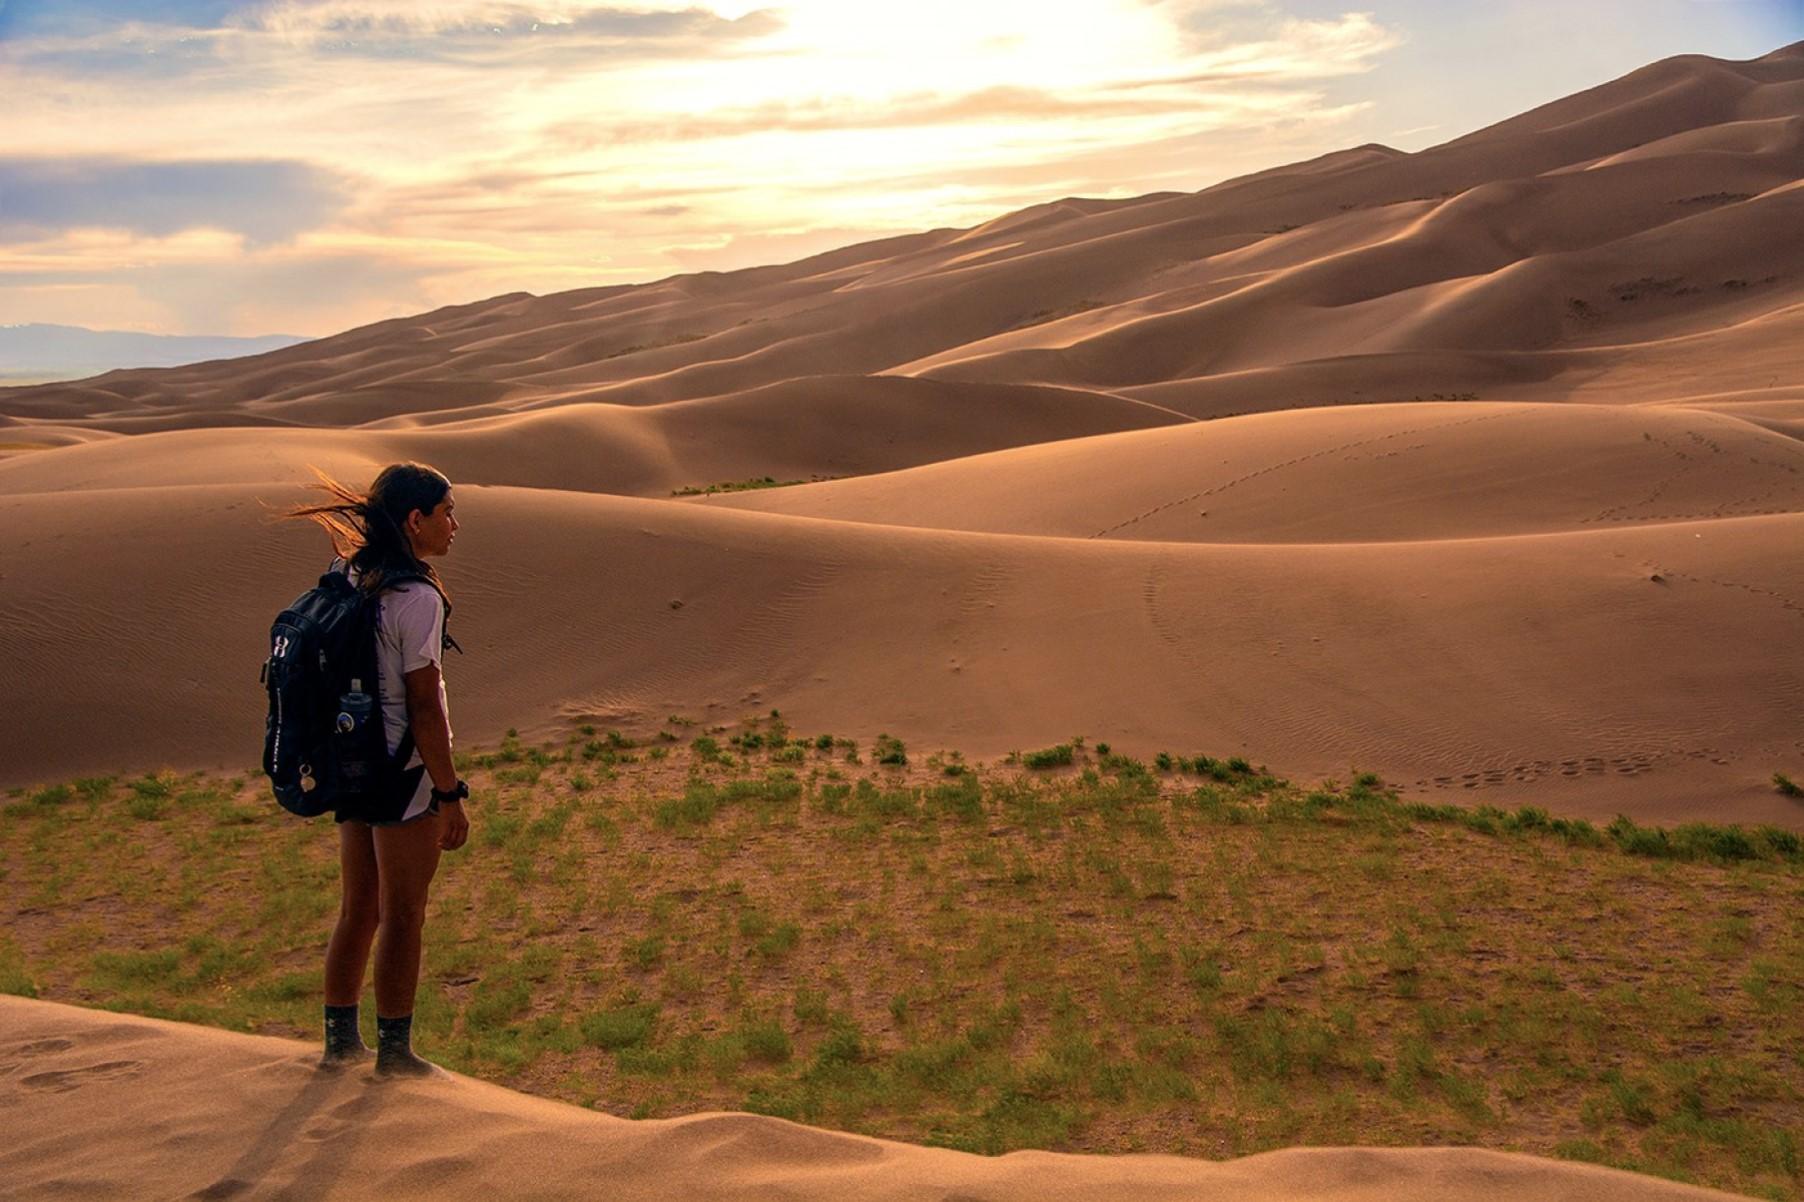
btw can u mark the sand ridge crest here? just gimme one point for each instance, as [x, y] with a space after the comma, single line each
[115, 1106]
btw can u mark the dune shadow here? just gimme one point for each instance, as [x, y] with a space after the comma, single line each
[309, 1120]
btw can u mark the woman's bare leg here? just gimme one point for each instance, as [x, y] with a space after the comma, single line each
[406, 859]
[349, 949]
[359, 910]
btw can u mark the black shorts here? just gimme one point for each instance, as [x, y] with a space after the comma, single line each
[390, 809]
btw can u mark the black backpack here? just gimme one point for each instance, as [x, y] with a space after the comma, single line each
[323, 743]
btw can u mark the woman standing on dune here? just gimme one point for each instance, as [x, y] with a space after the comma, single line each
[389, 848]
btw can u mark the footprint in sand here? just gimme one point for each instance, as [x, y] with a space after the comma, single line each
[324, 1130]
[225, 1187]
[19, 1055]
[75, 1078]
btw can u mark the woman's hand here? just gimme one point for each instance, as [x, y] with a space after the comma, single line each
[454, 826]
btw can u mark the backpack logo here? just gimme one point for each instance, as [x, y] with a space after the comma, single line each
[281, 649]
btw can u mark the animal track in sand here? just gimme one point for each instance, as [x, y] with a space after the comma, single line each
[1617, 513]
[1628, 764]
[1756, 590]
[1691, 460]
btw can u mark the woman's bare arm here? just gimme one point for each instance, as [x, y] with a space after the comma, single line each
[432, 735]
[431, 728]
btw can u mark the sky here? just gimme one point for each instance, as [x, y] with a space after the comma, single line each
[305, 166]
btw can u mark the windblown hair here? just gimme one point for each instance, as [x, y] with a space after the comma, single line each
[368, 530]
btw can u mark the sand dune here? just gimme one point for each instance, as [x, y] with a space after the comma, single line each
[1678, 173]
[112, 1105]
[1551, 668]
[798, 430]
[1502, 502]
[1398, 472]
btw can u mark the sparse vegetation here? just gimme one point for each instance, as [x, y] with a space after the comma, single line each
[889, 750]
[635, 348]
[1057, 756]
[1787, 785]
[1715, 198]
[1042, 316]
[733, 486]
[702, 490]
[1189, 954]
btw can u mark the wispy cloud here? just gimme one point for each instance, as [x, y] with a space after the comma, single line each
[39, 18]
[544, 37]
[917, 110]
[265, 201]
[477, 146]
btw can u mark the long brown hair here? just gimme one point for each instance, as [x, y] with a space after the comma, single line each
[368, 529]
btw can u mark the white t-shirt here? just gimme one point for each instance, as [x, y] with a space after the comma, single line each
[410, 633]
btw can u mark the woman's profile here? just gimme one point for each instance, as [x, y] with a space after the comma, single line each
[389, 846]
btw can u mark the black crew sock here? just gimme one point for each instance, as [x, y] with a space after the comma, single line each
[395, 1035]
[394, 1048]
[342, 1040]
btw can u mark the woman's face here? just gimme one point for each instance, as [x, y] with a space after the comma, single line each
[433, 533]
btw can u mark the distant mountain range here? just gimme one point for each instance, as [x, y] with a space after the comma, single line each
[38, 353]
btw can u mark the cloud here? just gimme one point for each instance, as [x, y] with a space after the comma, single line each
[39, 18]
[264, 201]
[1298, 50]
[444, 150]
[1183, 161]
[323, 290]
[474, 33]
[997, 104]
[313, 290]
[738, 251]
[1214, 24]
[100, 38]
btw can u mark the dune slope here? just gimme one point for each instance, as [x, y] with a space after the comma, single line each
[1396, 473]
[1633, 668]
[112, 1105]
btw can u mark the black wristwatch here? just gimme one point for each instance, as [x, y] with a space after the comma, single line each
[457, 792]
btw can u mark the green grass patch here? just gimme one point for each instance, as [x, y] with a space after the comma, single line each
[620, 1027]
[1058, 756]
[1186, 954]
